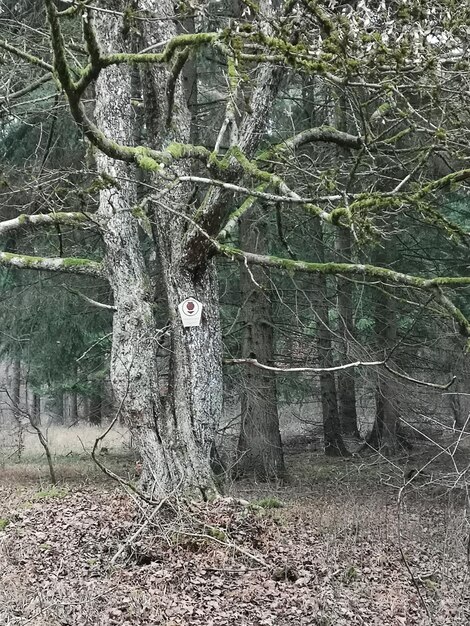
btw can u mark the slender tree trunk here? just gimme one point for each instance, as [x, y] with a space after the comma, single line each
[345, 379]
[333, 441]
[344, 250]
[259, 445]
[384, 435]
[73, 408]
[36, 410]
[15, 392]
[59, 409]
[94, 410]
[15, 385]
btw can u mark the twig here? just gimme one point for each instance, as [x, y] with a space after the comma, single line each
[110, 473]
[140, 530]
[100, 305]
[234, 546]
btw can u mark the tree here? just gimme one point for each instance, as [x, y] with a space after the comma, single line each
[378, 54]
[259, 446]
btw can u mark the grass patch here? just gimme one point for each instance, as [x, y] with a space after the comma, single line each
[51, 492]
[270, 502]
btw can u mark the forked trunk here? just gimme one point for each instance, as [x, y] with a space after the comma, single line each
[174, 437]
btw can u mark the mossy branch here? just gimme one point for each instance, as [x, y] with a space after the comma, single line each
[53, 264]
[61, 66]
[47, 219]
[364, 271]
[346, 269]
[172, 47]
[91, 39]
[325, 134]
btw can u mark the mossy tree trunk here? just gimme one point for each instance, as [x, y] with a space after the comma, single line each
[174, 438]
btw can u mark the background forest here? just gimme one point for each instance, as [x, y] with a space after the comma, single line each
[56, 336]
[300, 168]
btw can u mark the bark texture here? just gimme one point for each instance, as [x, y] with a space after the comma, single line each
[173, 437]
[385, 432]
[259, 446]
[345, 379]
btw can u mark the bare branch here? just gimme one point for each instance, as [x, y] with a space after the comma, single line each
[99, 305]
[306, 369]
[28, 89]
[337, 368]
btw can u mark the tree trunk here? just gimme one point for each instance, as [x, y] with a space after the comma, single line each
[73, 408]
[174, 440]
[345, 378]
[259, 445]
[94, 410]
[344, 249]
[15, 386]
[384, 435]
[333, 441]
[36, 410]
[59, 409]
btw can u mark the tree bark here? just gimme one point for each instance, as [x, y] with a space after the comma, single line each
[36, 410]
[73, 408]
[15, 385]
[59, 408]
[384, 435]
[345, 379]
[94, 410]
[344, 249]
[259, 446]
[174, 439]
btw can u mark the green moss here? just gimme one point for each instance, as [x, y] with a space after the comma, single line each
[3, 523]
[337, 214]
[398, 136]
[381, 111]
[139, 213]
[184, 151]
[216, 533]
[109, 181]
[350, 575]
[270, 502]
[51, 492]
[148, 164]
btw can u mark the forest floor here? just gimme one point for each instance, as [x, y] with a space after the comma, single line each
[334, 546]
